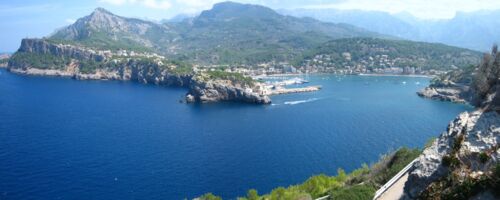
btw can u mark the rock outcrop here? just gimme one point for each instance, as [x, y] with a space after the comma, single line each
[214, 90]
[467, 137]
[453, 94]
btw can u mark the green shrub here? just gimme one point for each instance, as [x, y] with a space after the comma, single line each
[235, 77]
[210, 196]
[450, 161]
[483, 157]
[253, 195]
[390, 165]
[357, 192]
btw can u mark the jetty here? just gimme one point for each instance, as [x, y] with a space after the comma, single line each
[282, 90]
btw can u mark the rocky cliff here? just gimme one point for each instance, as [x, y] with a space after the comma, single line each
[42, 46]
[209, 89]
[464, 162]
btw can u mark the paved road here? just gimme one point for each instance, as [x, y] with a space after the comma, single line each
[396, 190]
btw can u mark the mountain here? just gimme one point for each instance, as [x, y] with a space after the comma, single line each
[376, 21]
[234, 34]
[103, 29]
[229, 33]
[475, 30]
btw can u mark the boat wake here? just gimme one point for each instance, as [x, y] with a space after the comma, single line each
[301, 101]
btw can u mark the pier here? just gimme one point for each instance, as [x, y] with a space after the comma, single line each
[294, 90]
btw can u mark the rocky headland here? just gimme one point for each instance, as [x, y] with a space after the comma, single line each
[207, 87]
[41, 57]
[464, 161]
[453, 86]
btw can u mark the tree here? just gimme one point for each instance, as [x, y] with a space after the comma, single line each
[253, 195]
[210, 196]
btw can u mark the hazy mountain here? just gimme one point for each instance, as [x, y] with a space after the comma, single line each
[475, 30]
[179, 18]
[379, 22]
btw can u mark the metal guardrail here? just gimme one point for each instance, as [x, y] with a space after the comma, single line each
[323, 198]
[393, 180]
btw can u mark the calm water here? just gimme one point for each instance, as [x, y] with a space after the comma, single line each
[68, 139]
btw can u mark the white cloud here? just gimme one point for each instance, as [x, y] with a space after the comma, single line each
[425, 9]
[114, 2]
[155, 4]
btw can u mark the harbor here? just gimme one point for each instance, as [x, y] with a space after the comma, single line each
[280, 87]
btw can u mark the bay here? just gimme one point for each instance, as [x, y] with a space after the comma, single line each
[67, 139]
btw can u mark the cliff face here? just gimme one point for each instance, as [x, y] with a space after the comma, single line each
[464, 162]
[45, 47]
[466, 151]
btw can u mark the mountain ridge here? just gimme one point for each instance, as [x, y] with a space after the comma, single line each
[233, 32]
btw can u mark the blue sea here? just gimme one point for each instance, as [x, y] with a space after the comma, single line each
[67, 139]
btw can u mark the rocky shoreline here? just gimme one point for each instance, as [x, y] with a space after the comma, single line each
[214, 91]
[455, 95]
[200, 91]
[81, 63]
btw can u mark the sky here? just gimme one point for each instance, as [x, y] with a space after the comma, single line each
[39, 18]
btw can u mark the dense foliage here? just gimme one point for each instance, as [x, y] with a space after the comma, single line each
[38, 60]
[231, 76]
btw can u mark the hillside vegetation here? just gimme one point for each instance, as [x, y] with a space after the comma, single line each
[360, 184]
[375, 53]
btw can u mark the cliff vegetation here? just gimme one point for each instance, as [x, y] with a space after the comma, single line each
[359, 184]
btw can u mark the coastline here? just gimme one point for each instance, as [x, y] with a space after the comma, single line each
[400, 75]
[322, 73]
